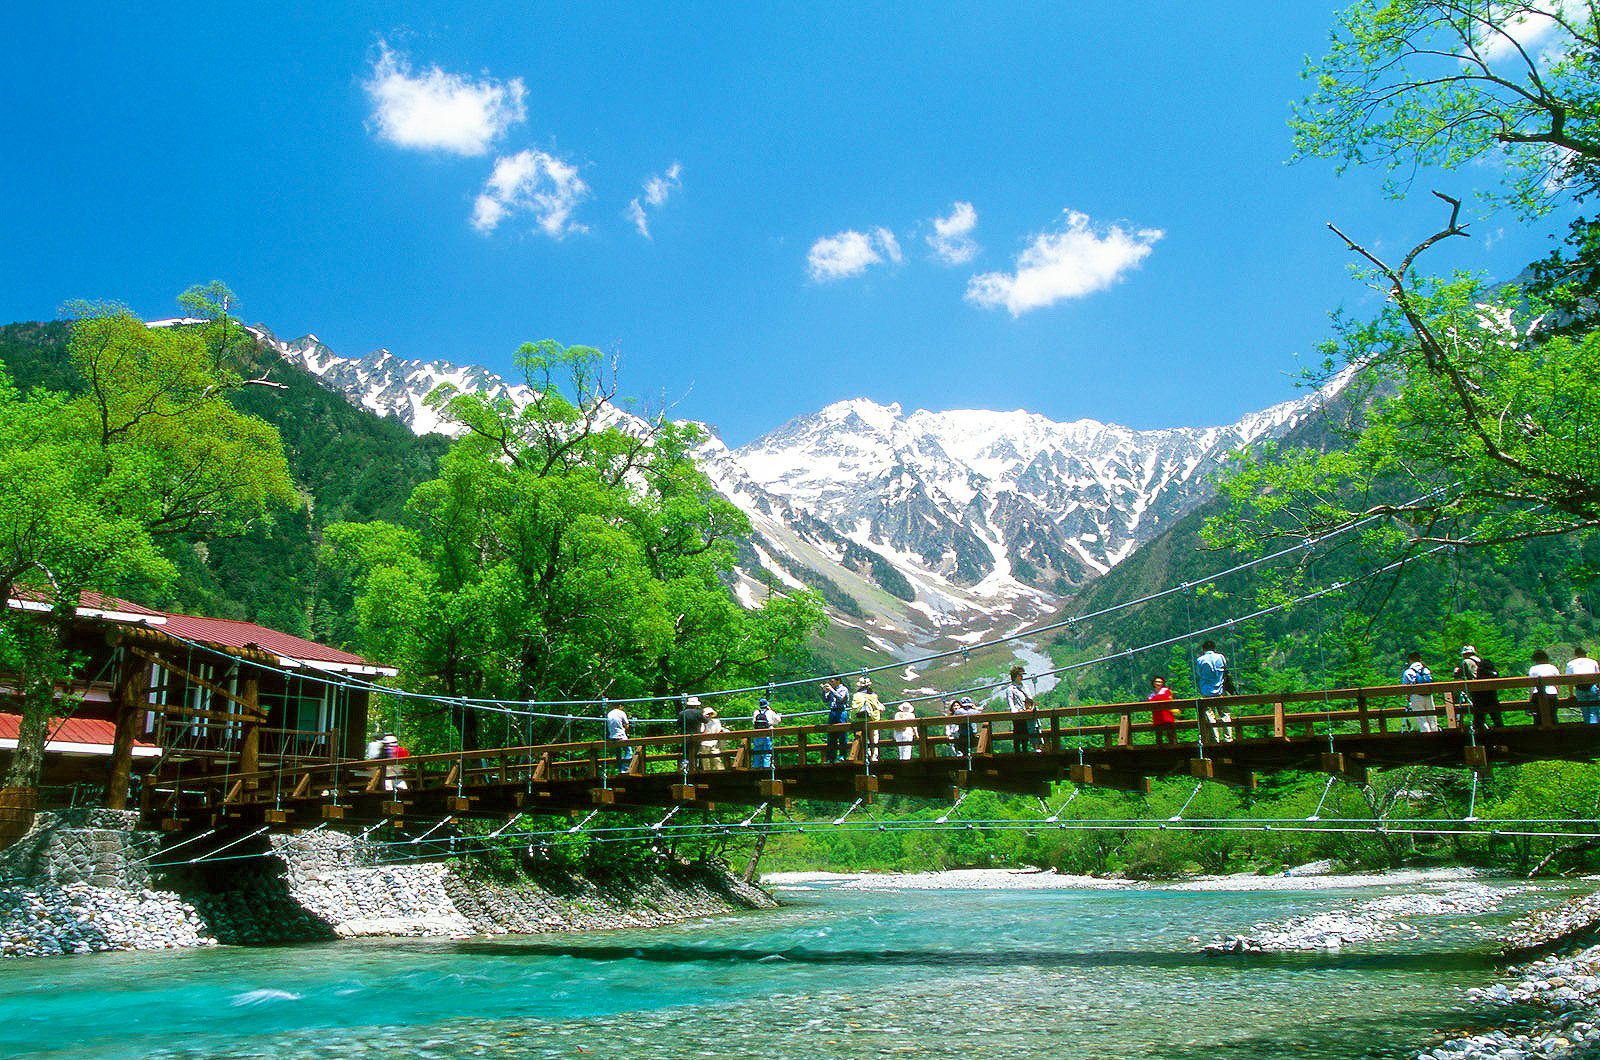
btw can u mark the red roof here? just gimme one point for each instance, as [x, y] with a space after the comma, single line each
[95, 732]
[224, 632]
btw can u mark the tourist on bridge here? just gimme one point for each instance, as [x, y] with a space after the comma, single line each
[952, 730]
[691, 720]
[1588, 696]
[394, 772]
[1211, 677]
[1023, 730]
[375, 752]
[904, 737]
[1421, 705]
[836, 698]
[868, 709]
[1485, 701]
[966, 708]
[1162, 717]
[1542, 704]
[711, 750]
[761, 746]
[617, 731]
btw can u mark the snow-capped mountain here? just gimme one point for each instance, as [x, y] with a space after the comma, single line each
[908, 524]
[393, 386]
[947, 513]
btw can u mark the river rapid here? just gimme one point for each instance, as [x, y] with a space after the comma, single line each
[836, 972]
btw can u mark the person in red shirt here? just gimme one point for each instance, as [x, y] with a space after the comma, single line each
[1165, 720]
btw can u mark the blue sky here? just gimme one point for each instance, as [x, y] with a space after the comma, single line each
[1079, 210]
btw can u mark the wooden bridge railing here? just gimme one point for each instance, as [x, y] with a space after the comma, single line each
[600, 765]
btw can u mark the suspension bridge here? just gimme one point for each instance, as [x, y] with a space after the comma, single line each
[1343, 732]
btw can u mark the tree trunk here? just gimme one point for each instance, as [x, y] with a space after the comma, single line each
[47, 664]
[749, 874]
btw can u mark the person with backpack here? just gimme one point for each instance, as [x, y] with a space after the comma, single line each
[1211, 678]
[868, 709]
[836, 697]
[1418, 703]
[1485, 701]
[761, 746]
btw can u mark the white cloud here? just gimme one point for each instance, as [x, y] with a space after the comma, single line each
[850, 252]
[535, 183]
[656, 191]
[1069, 263]
[1529, 27]
[436, 111]
[952, 240]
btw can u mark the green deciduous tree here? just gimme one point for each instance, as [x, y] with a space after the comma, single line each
[564, 552]
[88, 484]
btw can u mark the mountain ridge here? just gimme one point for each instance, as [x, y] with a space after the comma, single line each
[916, 524]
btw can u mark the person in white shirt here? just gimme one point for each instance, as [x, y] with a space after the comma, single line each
[905, 736]
[1588, 696]
[617, 730]
[1544, 712]
[1418, 704]
[1543, 667]
[711, 750]
[1017, 702]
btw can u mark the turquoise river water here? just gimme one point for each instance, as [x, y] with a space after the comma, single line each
[834, 973]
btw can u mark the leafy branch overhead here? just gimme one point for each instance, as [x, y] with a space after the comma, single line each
[1468, 414]
[1417, 84]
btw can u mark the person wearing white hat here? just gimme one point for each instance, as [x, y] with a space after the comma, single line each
[711, 750]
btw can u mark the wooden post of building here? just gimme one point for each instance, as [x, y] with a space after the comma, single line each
[127, 697]
[250, 742]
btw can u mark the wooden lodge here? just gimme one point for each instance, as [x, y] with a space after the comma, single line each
[157, 692]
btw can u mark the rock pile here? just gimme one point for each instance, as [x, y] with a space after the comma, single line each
[1373, 919]
[1565, 989]
[1550, 927]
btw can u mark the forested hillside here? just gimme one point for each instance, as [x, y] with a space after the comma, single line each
[346, 463]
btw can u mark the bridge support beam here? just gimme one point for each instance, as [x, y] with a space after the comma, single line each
[1102, 777]
[1341, 765]
[997, 779]
[1223, 773]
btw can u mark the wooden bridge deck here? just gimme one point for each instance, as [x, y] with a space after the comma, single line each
[1338, 731]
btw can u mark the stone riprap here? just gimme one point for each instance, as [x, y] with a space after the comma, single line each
[80, 883]
[79, 918]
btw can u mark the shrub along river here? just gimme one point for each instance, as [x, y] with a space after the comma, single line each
[837, 972]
